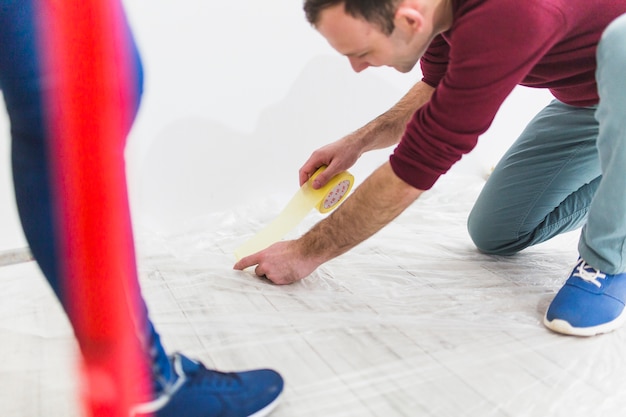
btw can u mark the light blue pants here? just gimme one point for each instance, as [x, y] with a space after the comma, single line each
[567, 169]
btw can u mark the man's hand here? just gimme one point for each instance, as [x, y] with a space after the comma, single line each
[282, 263]
[338, 156]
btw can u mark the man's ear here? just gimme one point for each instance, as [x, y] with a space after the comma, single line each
[409, 19]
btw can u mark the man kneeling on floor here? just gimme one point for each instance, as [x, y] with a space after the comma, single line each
[566, 170]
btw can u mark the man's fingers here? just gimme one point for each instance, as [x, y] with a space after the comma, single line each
[304, 176]
[259, 271]
[245, 262]
[321, 179]
[307, 170]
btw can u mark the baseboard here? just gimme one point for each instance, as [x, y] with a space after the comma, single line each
[15, 256]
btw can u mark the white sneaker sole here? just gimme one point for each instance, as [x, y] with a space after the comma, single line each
[268, 408]
[563, 327]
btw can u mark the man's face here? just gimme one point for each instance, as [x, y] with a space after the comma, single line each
[365, 45]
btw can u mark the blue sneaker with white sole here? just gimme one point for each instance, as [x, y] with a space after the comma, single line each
[196, 391]
[590, 302]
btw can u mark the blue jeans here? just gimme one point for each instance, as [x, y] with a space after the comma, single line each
[24, 83]
[566, 170]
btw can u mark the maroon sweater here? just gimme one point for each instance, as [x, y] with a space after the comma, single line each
[492, 46]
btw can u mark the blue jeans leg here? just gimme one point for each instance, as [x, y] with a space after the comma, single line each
[543, 185]
[603, 239]
[24, 83]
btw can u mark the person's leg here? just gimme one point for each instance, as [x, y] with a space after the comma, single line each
[24, 84]
[603, 239]
[21, 85]
[592, 300]
[542, 186]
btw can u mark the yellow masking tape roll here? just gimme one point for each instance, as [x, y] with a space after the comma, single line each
[324, 200]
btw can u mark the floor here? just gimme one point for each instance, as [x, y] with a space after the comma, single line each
[413, 322]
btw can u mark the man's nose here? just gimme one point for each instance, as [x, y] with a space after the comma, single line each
[357, 64]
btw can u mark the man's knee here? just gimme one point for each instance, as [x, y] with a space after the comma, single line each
[489, 238]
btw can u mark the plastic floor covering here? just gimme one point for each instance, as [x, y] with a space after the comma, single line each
[413, 322]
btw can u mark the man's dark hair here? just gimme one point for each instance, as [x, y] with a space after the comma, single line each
[378, 12]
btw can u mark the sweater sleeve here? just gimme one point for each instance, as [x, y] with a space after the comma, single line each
[488, 51]
[434, 62]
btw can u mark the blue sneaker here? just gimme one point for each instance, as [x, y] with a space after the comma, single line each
[200, 392]
[590, 302]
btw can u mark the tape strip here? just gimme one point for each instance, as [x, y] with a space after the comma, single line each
[324, 200]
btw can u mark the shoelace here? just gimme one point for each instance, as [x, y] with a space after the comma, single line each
[589, 274]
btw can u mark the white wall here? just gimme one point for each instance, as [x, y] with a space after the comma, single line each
[11, 236]
[237, 95]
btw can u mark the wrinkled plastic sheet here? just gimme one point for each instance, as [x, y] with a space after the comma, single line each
[413, 322]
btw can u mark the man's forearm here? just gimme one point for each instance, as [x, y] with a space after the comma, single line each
[387, 129]
[380, 199]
